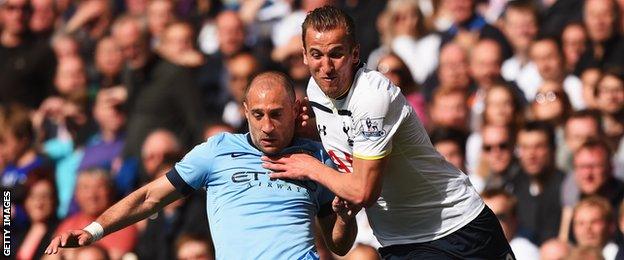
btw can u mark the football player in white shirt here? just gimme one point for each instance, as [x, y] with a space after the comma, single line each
[418, 205]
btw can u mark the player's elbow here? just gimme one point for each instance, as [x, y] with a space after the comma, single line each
[365, 199]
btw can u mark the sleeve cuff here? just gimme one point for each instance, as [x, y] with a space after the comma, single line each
[180, 185]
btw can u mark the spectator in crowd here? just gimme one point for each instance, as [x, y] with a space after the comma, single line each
[65, 46]
[89, 23]
[453, 71]
[555, 249]
[547, 55]
[40, 205]
[132, 39]
[160, 13]
[503, 204]
[585, 253]
[498, 166]
[25, 61]
[610, 102]
[590, 78]
[393, 67]
[468, 27]
[108, 65]
[451, 144]
[538, 186]
[160, 149]
[94, 191]
[449, 109]
[211, 129]
[71, 77]
[604, 48]
[136, 8]
[551, 104]
[520, 23]
[242, 68]
[579, 127]
[573, 44]
[594, 227]
[190, 246]
[176, 45]
[44, 18]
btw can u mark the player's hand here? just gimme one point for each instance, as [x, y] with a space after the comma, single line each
[306, 125]
[296, 166]
[344, 209]
[69, 239]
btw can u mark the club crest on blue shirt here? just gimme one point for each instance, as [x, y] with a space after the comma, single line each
[372, 128]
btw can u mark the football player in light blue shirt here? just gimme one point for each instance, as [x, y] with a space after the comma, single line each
[251, 216]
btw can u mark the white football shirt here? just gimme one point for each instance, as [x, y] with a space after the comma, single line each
[423, 197]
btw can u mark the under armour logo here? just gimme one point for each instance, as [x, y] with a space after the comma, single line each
[322, 129]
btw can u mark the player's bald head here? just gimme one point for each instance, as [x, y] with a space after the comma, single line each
[272, 80]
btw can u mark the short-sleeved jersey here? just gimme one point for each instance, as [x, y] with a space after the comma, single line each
[250, 215]
[423, 197]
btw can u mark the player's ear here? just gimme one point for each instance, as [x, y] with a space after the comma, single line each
[305, 58]
[356, 54]
[246, 109]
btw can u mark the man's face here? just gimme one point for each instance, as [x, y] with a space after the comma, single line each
[590, 228]
[533, 151]
[159, 14]
[451, 152]
[43, 15]
[240, 71]
[230, 33]
[108, 57]
[520, 27]
[497, 148]
[460, 9]
[548, 60]
[504, 212]
[591, 170]
[454, 69]
[578, 130]
[70, 76]
[14, 15]
[573, 42]
[331, 60]
[450, 111]
[599, 19]
[128, 37]
[610, 95]
[271, 116]
[92, 194]
[485, 64]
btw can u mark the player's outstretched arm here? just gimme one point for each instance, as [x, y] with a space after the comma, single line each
[362, 187]
[340, 228]
[140, 204]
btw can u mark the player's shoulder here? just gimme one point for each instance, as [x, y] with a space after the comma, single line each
[367, 79]
[223, 140]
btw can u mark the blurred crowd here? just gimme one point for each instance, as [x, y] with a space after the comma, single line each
[98, 97]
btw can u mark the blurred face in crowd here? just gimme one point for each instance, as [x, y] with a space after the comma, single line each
[159, 14]
[599, 18]
[93, 194]
[193, 250]
[331, 59]
[452, 152]
[548, 104]
[241, 69]
[504, 211]
[485, 63]
[499, 109]
[108, 57]
[520, 27]
[450, 110]
[65, 46]
[43, 15]
[271, 114]
[11, 147]
[573, 41]
[610, 97]
[534, 151]
[590, 78]
[154, 149]
[453, 70]
[230, 32]
[548, 60]
[107, 114]
[578, 130]
[462, 10]
[497, 147]
[136, 7]
[129, 37]
[390, 67]
[178, 38]
[591, 169]
[590, 227]
[70, 76]
[39, 203]
[554, 249]
[14, 16]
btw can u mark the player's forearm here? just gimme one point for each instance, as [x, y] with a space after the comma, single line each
[352, 187]
[343, 235]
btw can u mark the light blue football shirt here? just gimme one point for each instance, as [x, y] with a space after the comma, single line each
[250, 215]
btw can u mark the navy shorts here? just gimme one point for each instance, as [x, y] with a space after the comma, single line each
[482, 238]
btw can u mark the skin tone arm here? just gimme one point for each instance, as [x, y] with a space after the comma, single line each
[340, 228]
[362, 187]
[140, 204]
